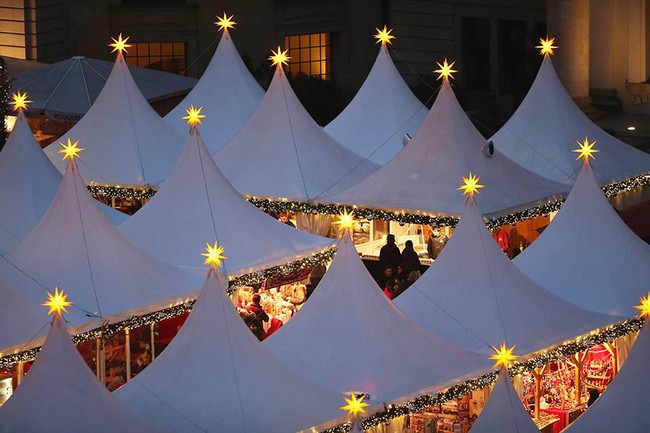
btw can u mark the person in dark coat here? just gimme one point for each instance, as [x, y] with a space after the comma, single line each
[389, 255]
[409, 259]
[255, 316]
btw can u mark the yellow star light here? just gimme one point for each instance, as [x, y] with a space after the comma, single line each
[470, 185]
[19, 101]
[214, 255]
[194, 115]
[585, 150]
[384, 36]
[120, 44]
[546, 46]
[503, 356]
[644, 308]
[279, 57]
[346, 220]
[70, 150]
[57, 302]
[225, 22]
[355, 405]
[445, 70]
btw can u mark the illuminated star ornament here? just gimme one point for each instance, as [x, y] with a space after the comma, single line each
[355, 405]
[19, 101]
[120, 44]
[214, 255]
[70, 150]
[57, 302]
[194, 115]
[445, 70]
[225, 22]
[470, 185]
[546, 46]
[503, 356]
[586, 150]
[279, 57]
[384, 36]
[346, 220]
[644, 308]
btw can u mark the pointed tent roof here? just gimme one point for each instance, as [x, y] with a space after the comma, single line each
[75, 246]
[360, 337]
[228, 93]
[424, 176]
[214, 376]
[283, 153]
[127, 142]
[588, 255]
[384, 109]
[627, 396]
[474, 296]
[60, 393]
[503, 411]
[542, 132]
[197, 205]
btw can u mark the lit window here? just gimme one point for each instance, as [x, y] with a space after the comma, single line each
[310, 54]
[161, 56]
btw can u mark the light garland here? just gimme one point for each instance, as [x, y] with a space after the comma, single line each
[121, 192]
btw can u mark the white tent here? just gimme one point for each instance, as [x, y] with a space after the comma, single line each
[197, 205]
[504, 412]
[474, 296]
[20, 318]
[350, 337]
[215, 376]
[67, 89]
[623, 405]
[127, 142]
[76, 247]
[28, 182]
[228, 93]
[384, 109]
[588, 255]
[425, 175]
[283, 153]
[545, 127]
[61, 394]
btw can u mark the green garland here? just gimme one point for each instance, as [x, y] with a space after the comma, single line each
[128, 193]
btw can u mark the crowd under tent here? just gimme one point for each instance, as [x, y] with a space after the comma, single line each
[227, 91]
[384, 113]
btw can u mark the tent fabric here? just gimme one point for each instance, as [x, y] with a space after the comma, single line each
[504, 412]
[543, 131]
[588, 255]
[197, 205]
[126, 141]
[21, 318]
[474, 296]
[384, 109]
[61, 394]
[67, 89]
[350, 337]
[228, 93]
[283, 153]
[623, 406]
[75, 247]
[426, 174]
[215, 376]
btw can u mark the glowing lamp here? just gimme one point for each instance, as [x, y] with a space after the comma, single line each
[19, 101]
[120, 44]
[471, 185]
[213, 255]
[57, 302]
[585, 150]
[503, 356]
[70, 150]
[546, 46]
[279, 57]
[384, 36]
[194, 115]
[354, 406]
[445, 70]
[225, 22]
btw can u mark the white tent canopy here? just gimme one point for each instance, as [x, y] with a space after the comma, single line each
[475, 297]
[503, 412]
[384, 109]
[197, 205]
[623, 406]
[61, 394]
[350, 337]
[126, 141]
[283, 153]
[215, 376]
[542, 132]
[425, 175]
[228, 93]
[588, 255]
[21, 318]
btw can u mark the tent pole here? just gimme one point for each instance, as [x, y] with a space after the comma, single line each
[101, 360]
[611, 348]
[538, 389]
[152, 332]
[127, 352]
[20, 372]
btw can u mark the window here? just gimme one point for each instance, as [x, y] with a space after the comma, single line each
[476, 54]
[310, 54]
[161, 56]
